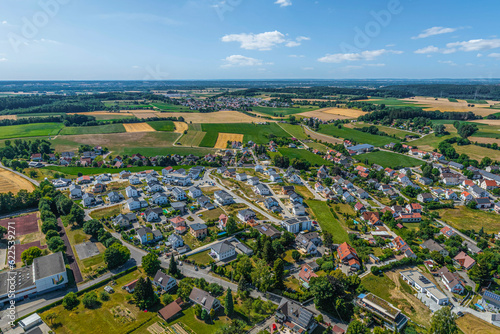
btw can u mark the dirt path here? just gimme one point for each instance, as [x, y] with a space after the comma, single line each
[70, 254]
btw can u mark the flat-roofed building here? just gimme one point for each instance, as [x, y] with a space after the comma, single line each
[385, 311]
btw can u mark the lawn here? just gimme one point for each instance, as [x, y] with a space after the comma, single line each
[462, 217]
[100, 320]
[327, 221]
[389, 159]
[89, 262]
[257, 133]
[356, 135]
[93, 130]
[296, 131]
[202, 258]
[30, 130]
[294, 153]
[199, 326]
[211, 214]
[162, 125]
[106, 212]
[379, 285]
[283, 111]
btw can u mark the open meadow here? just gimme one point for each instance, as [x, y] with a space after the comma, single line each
[470, 324]
[30, 130]
[327, 221]
[91, 130]
[257, 133]
[389, 159]
[223, 138]
[162, 125]
[294, 153]
[356, 135]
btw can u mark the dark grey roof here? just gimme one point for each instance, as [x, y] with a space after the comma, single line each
[222, 247]
[161, 278]
[203, 298]
[178, 204]
[198, 226]
[49, 265]
[296, 313]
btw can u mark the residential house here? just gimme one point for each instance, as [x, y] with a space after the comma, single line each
[175, 241]
[171, 310]
[464, 260]
[241, 177]
[75, 191]
[453, 281]
[466, 196]
[61, 182]
[308, 242]
[425, 197]
[223, 198]
[152, 215]
[488, 184]
[297, 224]
[296, 318]
[98, 187]
[195, 192]
[348, 256]
[401, 246]
[246, 215]
[287, 190]
[146, 235]
[125, 220]
[131, 191]
[179, 206]
[179, 224]
[88, 199]
[115, 197]
[447, 232]
[403, 178]
[268, 230]
[361, 193]
[306, 273]
[164, 281]
[222, 250]
[253, 181]
[414, 208]
[348, 197]
[204, 299]
[295, 198]
[198, 230]
[425, 181]
[478, 192]
[160, 198]
[204, 202]
[359, 207]
[221, 223]
[298, 210]
[179, 194]
[450, 195]
[134, 180]
[262, 189]
[134, 203]
[272, 204]
[433, 246]
[482, 202]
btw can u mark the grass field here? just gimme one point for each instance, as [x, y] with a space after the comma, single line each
[172, 107]
[356, 135]
[393, 102]
[296, 131]
[106, 212]
[254, 132]
[334, 113]
[11, 182]
[389, 159]
[153, 151]
[477, 101]
[390, 131]
[162, 125]
[92, 130]
[294, 153]
[462, 217]
[192, 138]
[30, 130]
[452, 100]
[478, 152]
[327, 221]
[202, 258]
[470, 324]
[283, 111]
[94, 171]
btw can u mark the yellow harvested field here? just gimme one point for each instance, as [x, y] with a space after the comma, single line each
[12, 182]
[484, 140]
[223, 116]
[145, 115]
[430, 103]
[470, 324]
[138, 127]
[488, 121]
[327, 114]
[8, 117]
[223, 138]
[180, 127]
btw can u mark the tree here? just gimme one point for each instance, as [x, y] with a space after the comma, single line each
[3, 230]
[92, 227]
[70, 301]
[295, 255]
[172, 267]
[212, 314]
[268, 252]
[197, 311]
[30, 254]
[116, 255]
[327, 240]
[77, 215]
[184, 289]
[90, 300]
[144, 295]
[439, 129]
[104, 296]
[231, 226]
[51, 234]
[261, 275]
[167, 299]
[151, 264]
[204, 315]
[56, 244]
[356, 327]
[443, 322]
[279, 273]
[229, 305]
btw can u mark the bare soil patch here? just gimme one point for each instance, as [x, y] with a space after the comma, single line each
[488, 121]
[25, 224]
[138, 127]
[12, 182]
[223, 138]
[144, 115]
[484, 140]
[8, 117]
[334, 113]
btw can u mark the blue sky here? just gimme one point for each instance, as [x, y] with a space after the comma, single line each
[248, 39]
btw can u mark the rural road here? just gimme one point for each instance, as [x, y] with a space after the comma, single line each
[36, 183]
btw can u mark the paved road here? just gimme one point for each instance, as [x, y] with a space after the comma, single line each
[35, 182]
[73, 264]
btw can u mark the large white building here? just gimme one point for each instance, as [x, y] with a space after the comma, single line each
[297, 224]
[47, 273]
[422, 284]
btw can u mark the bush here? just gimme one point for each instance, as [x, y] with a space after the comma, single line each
[90, 300]
[104, 296]
[70, 301]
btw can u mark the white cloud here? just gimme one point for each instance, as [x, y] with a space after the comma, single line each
[284, 3]
[262, 42]
[296, 56]
[447, 62]
[494, 55]
[142, 17]
[434, 31]
[365, 55]
[435, 49]
[292, 44]
[3, 59]
[476, 44]
[239, 60]
[297, 41]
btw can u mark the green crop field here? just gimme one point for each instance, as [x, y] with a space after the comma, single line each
[30, 130]
[192, 138]
[356, 135]
[452, 100]
[162, 125]
[112, 116]
[283, 111]
[167, 107]
[394, 102]
[327, 221]
[42, 114]
[389, 159]
[93, 130]
[390, 131]
[296, 131]
[255, 132]
[294, 153]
